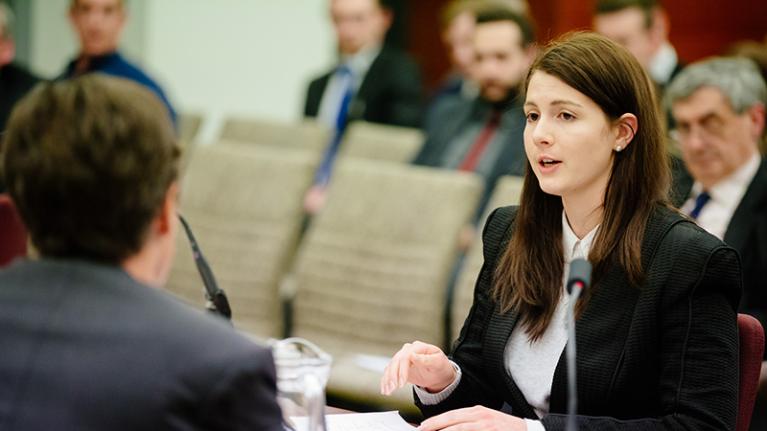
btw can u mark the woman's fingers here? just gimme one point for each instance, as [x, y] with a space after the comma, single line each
[413, 359]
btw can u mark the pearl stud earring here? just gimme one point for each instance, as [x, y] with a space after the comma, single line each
[618, 149]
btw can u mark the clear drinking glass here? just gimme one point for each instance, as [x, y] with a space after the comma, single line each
[302, 373]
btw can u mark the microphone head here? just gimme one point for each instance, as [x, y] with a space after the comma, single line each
[580, 274]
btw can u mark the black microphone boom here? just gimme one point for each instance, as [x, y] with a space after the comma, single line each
[577, 280]
[216, 300]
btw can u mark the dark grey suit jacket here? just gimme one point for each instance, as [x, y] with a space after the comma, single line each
[85, 347]
[390, 92]
[659, 357]
[455, 114]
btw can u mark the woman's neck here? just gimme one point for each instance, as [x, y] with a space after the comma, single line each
[583, 214]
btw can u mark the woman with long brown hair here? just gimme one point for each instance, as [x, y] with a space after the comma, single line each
[657, 334]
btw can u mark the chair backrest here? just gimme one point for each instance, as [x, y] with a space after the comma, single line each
[244, 204]
[372, 271]
[188, 125]
[381, 142]
[13, 234]
[308, 134]
[507, 192]
[751, 337]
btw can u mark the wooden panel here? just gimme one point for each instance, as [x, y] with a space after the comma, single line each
[699, 28]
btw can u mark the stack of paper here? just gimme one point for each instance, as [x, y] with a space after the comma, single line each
[384, 421]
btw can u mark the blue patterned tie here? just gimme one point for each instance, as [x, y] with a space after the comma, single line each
[322, 176]
[700, 202]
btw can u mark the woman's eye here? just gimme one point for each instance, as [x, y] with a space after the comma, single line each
[567, 116]
[532, 116]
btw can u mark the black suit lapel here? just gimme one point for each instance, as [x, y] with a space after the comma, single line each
[368, 87]
[745, 216]
[496, 338]
[610, 311]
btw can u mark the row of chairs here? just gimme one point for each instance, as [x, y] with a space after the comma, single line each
[361, 139]
[369, 274]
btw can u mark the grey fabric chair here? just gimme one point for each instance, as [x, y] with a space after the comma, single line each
[507, 191]
[307, 134]
[244, 204]
[381, 142]
[372, 272]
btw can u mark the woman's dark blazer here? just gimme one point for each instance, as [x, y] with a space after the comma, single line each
[660, 357]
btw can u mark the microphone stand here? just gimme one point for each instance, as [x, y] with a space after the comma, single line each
[577, 280]
[216, 301]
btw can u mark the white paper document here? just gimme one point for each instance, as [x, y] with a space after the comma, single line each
[384, 421]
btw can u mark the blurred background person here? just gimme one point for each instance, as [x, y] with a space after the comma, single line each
[719, 108]
[90, 340]
[457, 22]
[15, 80]
[485, 134]
[99, 25]
[371, 82]
[641, 26]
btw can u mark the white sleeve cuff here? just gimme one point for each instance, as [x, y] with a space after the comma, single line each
[429, 399]
[534, 425]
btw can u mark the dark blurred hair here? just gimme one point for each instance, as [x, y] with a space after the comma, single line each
[497, 13]
[88, 163]
[530, 272]
[646, 6]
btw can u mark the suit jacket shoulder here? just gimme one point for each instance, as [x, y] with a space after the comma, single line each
[119, 343]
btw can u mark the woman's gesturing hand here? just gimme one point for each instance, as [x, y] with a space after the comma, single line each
[421, 364]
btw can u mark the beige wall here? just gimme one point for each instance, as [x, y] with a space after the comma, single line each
[217, 57]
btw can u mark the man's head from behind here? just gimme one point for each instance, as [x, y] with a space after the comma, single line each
[719, 107]
[98, 23]
[91, 164]
[359, 24]
[639, 25]
[7, 47]
[503, 49]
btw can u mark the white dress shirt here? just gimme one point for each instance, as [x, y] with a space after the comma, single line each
[725, 198]
[663, 63]
[534, 381]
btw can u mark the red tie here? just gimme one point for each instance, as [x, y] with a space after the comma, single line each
[474, 155]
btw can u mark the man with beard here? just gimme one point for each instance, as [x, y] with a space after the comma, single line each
[484, 135]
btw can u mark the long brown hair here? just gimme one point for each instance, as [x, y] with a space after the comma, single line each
[529, 275]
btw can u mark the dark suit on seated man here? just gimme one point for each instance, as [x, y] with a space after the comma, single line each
[371, 82]
[719, 108]
[485, 135]
[90, 341]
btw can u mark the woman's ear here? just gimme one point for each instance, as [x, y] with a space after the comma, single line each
[626, 128]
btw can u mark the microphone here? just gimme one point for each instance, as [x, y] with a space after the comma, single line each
[215, 298]
[577, 280]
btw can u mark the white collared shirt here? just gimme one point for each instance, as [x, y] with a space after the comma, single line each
[332, 97]
[663, 63]
[534, 381]
[725, 198]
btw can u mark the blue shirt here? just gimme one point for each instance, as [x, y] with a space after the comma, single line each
[116, 65]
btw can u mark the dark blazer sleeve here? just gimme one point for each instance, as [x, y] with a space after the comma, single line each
[475, 387]
[245, 396]
[698, 354]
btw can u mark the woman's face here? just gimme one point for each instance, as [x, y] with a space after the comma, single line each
[569, 140]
